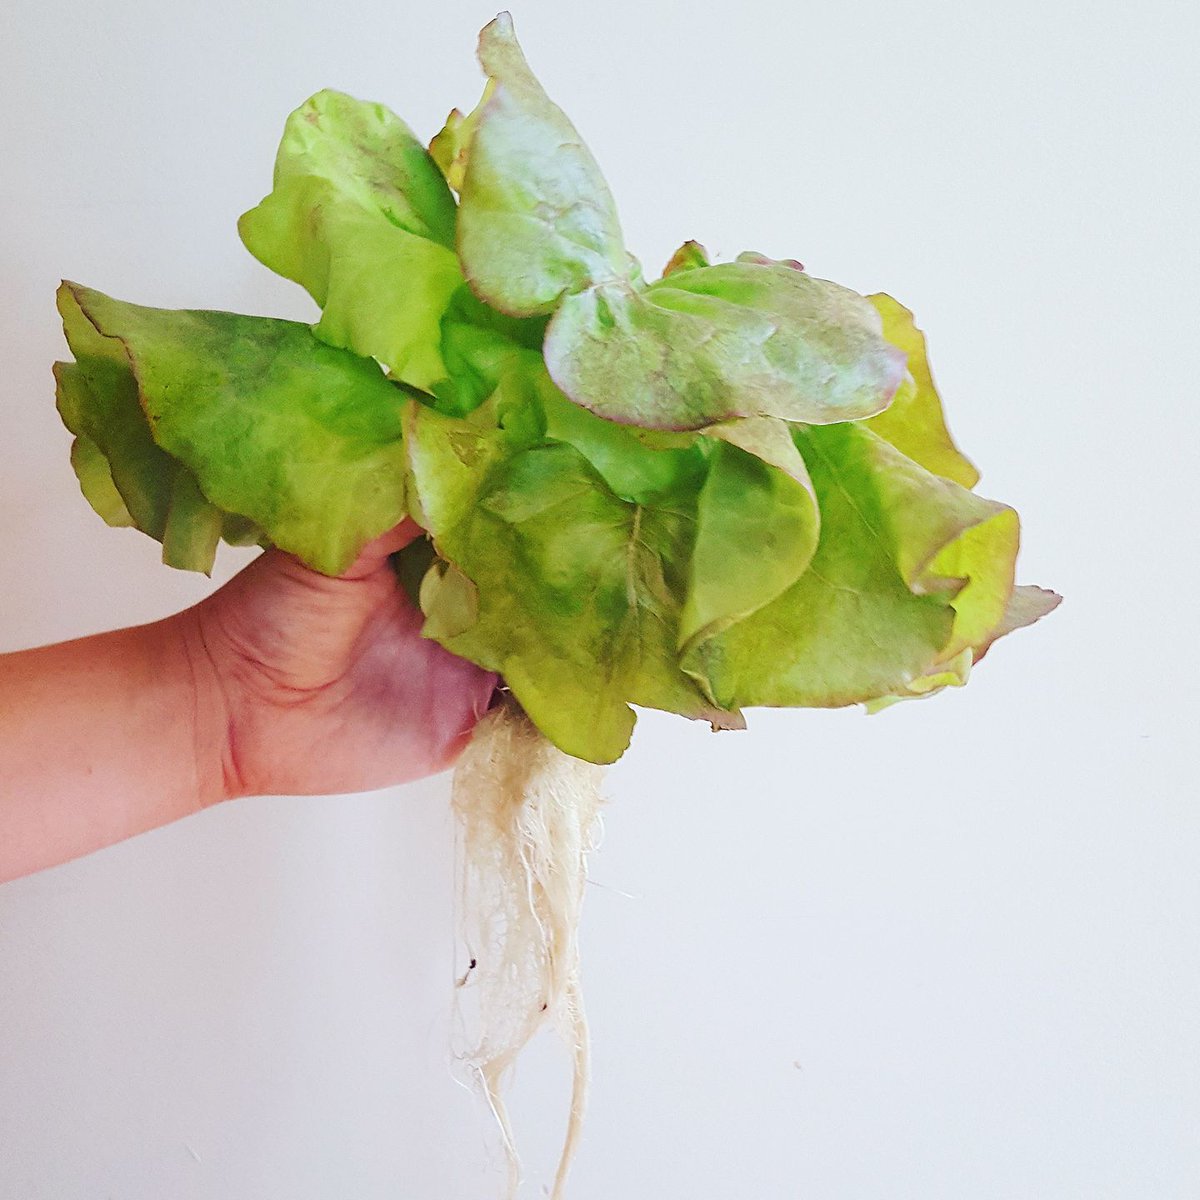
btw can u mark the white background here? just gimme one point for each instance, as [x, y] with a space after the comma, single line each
[948, 952]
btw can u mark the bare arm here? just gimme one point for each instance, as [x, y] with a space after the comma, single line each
[100, 739]
[282, 682]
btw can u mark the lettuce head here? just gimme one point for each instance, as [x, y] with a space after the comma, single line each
[728, 487]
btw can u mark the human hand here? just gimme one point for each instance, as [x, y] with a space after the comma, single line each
[315, 685]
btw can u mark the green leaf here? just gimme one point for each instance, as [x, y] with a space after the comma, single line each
[638, 465]
[193, 527]
[448, 147]
[732, 340]
[126, 478]
[361, 217]
[914, 422]
[478, 346]
[688, 257]
[537, 220]
[98, 402]
[577, 590]
[451, 145]
[911, 572]
[947, 542]
[241, 531]
[449, 600]
[757, 528]
[300, 438]
[1026, 605]
[96, 482]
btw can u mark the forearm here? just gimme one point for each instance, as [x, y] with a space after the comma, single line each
[103, 738]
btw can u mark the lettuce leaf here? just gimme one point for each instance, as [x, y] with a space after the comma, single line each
[361, 217]
[538, 233]
[450, 146]
[202, 414]
[757, 527]
[124, 475]
[477, 345]
[914, 422]
[688, 257]
[911, 570]
[574, 591]
[1026, 605]
[537, 220]
[96, 481]
[708, 344]
[597, 566]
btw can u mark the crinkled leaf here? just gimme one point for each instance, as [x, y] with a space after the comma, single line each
[300, 438]
[361, 217]
[953, 673]
[578, 590]
[910, 571]
[713, 343]
[451, 456]
[536, 220]
[757, 525]
[478, 346]
[914, 422]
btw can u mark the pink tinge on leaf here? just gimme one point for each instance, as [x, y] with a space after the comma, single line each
[1026, 605]
[752, 256]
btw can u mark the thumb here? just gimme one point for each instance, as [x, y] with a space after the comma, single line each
[375, 553]
[297, 625]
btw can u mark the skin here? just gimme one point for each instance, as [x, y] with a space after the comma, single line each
[282, 682]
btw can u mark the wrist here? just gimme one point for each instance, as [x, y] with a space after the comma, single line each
[205, 699]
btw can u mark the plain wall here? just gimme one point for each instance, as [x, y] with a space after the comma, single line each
[950, 951]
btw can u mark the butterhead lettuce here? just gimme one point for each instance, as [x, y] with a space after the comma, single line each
[728, 487]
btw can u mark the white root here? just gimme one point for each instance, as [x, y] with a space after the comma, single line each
[528, 815]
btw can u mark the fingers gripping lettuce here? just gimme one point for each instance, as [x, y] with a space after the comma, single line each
[728, 487]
